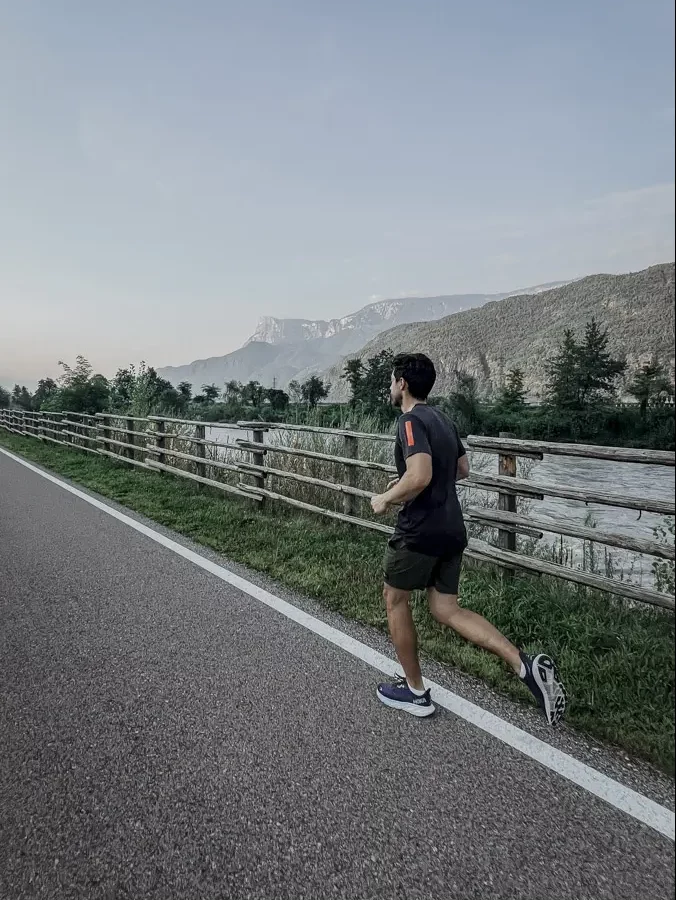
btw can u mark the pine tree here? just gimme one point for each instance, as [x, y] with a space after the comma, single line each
[597, 370]
[513, 394]
[583, 374]
[650, 386]
[562, 369]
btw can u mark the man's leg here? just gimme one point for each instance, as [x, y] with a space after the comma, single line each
[403, 634]
[408, 570]
[472, 627]
[539, 674]
[407, 694]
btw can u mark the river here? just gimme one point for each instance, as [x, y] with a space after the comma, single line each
[624, 479]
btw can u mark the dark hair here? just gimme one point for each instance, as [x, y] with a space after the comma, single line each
[418, 372]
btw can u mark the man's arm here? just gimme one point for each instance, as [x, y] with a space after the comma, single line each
[417, 476]
[416, 451]
[463, 468]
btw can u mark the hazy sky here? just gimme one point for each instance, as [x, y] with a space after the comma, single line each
[170, 171]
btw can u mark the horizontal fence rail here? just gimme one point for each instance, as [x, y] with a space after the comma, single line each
[519, 447]
[262, 458]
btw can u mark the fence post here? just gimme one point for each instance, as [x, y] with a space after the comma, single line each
[92, 434]
[351, 451]
[258, 459]
[131, 454]
[201, 450]
[507, 503]
[105, 432]
[160, 431]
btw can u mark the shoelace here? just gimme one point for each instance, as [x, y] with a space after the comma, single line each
[401, 682]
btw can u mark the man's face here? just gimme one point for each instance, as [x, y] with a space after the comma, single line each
[396, 391]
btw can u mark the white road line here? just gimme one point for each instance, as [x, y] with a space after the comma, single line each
[613, 792]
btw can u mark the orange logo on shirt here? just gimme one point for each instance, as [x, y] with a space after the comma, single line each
[410, 440]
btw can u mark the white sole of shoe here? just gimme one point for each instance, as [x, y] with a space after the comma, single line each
[420, 711]
[551, 687]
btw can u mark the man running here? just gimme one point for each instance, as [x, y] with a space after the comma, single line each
[426, 549]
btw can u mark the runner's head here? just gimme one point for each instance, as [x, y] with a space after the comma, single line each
[413, 374]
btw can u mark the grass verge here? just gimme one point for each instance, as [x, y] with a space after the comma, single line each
[618, 662]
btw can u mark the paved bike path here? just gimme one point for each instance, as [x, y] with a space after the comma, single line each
[163, 735]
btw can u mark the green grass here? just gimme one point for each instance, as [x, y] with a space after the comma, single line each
[618, 662]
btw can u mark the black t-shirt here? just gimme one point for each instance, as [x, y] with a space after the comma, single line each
[431, 523]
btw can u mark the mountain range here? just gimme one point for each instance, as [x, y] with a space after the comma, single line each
[524, 331]
[281, 350]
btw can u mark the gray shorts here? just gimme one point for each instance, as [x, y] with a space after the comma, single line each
[408, 570]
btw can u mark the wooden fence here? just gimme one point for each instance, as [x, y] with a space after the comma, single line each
[180, 447]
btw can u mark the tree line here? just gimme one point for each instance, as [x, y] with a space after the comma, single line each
[140, 391]
[581, 400]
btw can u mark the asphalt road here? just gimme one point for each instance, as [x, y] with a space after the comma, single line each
[163, 735]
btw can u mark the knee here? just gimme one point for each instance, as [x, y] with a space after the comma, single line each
[394, 598]
[444, 608]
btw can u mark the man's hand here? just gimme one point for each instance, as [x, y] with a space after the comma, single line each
[417, 476]
[379, 504]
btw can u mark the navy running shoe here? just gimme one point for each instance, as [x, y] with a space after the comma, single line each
[543, 681]
[399, 695]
